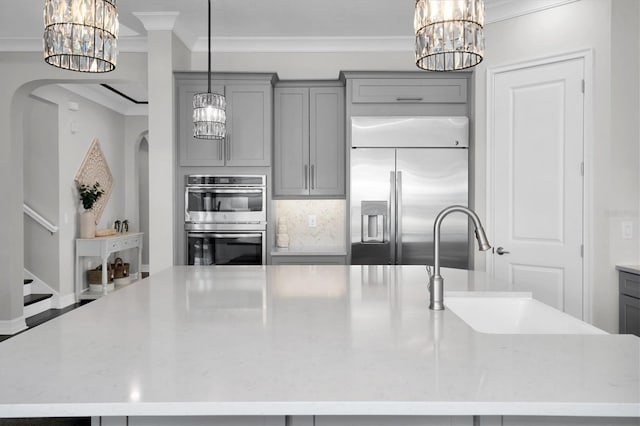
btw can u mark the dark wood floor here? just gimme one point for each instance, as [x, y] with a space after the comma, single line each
[43, 317]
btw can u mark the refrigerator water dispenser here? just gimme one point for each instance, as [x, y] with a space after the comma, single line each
[373, 221]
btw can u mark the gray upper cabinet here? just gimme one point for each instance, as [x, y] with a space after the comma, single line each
[196, 152]
[309, 157]
[248, 125]
[407, 93]
[384, 90]
[249, 128]
[291, 151]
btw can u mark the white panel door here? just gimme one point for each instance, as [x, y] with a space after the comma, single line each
[537, 181]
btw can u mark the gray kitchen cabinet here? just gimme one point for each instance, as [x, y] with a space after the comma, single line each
[192, 151]
[629, 303]
[249, 128]
[309, 153]
[406, 93]
[386, 90]
[308, 260]
[248, 125]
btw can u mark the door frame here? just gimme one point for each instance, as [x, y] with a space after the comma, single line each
[587, 191]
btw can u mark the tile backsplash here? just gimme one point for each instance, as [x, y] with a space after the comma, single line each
[329, 229]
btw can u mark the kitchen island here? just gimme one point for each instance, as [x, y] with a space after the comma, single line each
[252, 345]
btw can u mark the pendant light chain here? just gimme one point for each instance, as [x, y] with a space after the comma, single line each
[209, 48]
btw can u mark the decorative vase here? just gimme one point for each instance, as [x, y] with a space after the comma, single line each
[87, 224]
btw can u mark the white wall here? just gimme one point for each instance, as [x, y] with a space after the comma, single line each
[21, 74]
[40, 174]
[613, 160]
[625, 135]
[91, 121]
[135, 128]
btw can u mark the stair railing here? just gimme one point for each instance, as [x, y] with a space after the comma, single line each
[39, 219]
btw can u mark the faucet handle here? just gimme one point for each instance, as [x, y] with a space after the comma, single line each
[429, 272]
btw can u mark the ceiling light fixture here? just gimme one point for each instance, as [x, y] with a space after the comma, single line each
[209, 109]
[81, 35]
[449, 34]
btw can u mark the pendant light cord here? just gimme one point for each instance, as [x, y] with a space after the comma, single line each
[209, 34]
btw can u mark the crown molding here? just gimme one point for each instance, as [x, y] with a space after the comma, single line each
[157, 21]
[306, 44]
[99, 95]
[502, 10]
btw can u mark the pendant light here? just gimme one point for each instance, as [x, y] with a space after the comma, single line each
[449, 34]
[81, 35]
[209, 115]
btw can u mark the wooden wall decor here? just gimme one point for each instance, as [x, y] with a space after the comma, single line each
[94, 169]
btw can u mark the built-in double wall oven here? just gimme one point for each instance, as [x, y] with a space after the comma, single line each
[225, 219]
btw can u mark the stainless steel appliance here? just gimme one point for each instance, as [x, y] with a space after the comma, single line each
[225, 220]
[225, 199]
[213, 245]
[404, 171]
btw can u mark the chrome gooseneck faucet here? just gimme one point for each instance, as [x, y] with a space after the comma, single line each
[436, 282]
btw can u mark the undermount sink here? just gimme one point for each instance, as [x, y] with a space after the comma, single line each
[514, 315]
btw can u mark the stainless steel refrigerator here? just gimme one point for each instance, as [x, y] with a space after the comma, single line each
[404, 171]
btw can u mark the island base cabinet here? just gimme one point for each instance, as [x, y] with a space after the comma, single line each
[390, 421]
[189, 421]
[556, 421]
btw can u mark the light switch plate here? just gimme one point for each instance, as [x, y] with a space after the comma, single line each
[627, 230]
[312, 221]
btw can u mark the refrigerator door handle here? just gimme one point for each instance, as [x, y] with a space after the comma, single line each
[399, 219]
[392, 215]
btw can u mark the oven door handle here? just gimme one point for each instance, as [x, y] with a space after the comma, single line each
[225, 190]
[219, 235]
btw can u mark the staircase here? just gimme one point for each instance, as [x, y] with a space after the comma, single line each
[34, 303]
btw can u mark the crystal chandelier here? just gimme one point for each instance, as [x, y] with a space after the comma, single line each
[81, 35]
[209, 115]
[449, 34]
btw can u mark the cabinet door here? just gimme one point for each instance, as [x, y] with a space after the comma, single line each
[291, 159]
[629, 315]
[327, 141]
[248, 125]
[409, 90]
[195, 152]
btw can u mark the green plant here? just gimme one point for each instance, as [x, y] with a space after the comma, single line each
[90, 194]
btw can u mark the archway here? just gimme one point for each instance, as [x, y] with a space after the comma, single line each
[142, 167]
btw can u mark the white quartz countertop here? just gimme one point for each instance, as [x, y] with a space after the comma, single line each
[303, 340]
[633, 269]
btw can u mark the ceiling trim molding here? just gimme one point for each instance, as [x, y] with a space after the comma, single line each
[306, 44]
[157, 21]
[99, 96]
[502, 10]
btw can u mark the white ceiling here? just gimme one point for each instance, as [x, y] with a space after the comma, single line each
[249, 25]
[252, 20]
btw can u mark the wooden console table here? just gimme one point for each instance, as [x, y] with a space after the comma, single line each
[103, 247]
